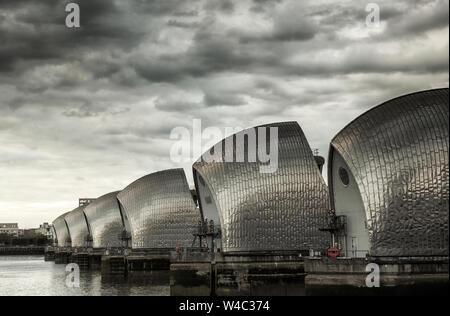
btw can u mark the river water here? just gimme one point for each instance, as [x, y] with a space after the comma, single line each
[32, 276]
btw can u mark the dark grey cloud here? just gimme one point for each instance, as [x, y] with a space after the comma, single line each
[177, 105]
[209, 53]
[166, 7]
[181, 24]
[34, 31]
[223, 6]
[263, 6]
[91, 110]
[424, 17]
[285, 30]
[223, 98]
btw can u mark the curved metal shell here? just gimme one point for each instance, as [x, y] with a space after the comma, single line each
[258, 211]
[78, 227]
[54, 237]
[161, 211]
[62, 231]
[105, 221]
[397, 155]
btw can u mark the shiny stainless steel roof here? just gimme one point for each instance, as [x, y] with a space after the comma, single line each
[78, 228]
[105, 221]
[62, 231]
[279, 211]
[160, 210]
[398, 155]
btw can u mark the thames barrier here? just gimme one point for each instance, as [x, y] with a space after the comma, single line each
[243, 232]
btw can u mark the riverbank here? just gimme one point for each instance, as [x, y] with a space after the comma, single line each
[21, 250]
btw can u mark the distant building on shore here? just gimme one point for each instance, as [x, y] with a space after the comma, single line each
[13, 230]
[9, 229]
[46, 230]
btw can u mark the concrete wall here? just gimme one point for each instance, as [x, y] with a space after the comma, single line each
[398, 276]
[208, 274]
[348, 202]
[208, 206]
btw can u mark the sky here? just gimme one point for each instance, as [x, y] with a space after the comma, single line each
[86, 111]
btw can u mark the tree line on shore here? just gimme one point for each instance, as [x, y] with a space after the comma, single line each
[34, 239]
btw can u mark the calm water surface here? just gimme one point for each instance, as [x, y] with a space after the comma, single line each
[32, 276]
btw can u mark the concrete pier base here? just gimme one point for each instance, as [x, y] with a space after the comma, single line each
[398, 276]
[205, 274]
[62, 257]
[151, 267]
[95, 261]
[259, 279]
[191, 279]
[81, 259]
[49, 254]
[113, 267]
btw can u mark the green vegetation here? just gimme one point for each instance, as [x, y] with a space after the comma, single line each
[33, 239]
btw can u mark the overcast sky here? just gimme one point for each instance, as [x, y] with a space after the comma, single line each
[86, 111]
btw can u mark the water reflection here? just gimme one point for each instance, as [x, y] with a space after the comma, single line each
[31, 276]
